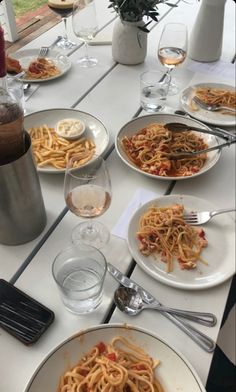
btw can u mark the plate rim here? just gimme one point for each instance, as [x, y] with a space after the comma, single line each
[158, 277]
[62, 171]
[167, 178]
[192, 114]
[25, 80]
[124, 326]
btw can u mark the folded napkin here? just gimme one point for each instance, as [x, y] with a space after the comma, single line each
[102, 38]
[140, 197]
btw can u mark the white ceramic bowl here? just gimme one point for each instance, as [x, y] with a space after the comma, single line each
[175, 372]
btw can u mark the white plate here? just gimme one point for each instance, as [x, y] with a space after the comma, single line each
[138, 123]
[28, 55]
[94, 129]
[182, 377]
[220, 252]
[214, 118]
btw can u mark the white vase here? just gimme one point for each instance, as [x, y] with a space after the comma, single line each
[129, 43]
[206, 38]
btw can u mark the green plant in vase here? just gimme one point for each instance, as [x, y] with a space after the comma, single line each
[129, 41]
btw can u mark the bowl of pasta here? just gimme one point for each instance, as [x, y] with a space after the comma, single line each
[51, 151]
[145, 145]
[119, 354]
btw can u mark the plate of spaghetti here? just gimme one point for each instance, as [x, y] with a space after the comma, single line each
[115, 358]
[42, 69]
[145, 145]
[51, 152]
[177, 254]
[210, 93]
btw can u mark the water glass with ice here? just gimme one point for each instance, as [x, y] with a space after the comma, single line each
[79, 272]
[153, 90]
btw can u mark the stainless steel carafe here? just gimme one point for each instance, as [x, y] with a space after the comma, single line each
[22, 211]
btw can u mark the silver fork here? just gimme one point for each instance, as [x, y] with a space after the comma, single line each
[45, 49]
[199, 218]
[43, 52]
[213, 107]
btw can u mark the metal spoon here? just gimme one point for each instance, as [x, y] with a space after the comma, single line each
[130, 302]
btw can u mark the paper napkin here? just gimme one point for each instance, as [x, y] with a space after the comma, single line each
[140, 197]
[102, 38]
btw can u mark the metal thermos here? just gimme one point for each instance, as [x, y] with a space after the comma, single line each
[22, 211]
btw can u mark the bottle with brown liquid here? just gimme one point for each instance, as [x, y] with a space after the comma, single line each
[11, 116]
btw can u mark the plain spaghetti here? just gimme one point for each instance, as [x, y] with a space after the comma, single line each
[150, 149]
[116, 367]
[163, 231]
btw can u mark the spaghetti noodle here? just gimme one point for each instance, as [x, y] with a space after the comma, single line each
[163, 231]
[217, 96]
[150, 148]
[41, 68]
[116, 367]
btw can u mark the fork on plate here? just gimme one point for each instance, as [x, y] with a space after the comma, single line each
[212, 107]
[199, 218]
[45, 49]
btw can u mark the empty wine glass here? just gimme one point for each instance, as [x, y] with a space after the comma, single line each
[63, 8]
[84, 22]
[172, 49]
[87, 191]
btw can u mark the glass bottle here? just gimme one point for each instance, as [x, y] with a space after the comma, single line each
[11, 116]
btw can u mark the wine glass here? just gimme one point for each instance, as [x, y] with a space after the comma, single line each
[172, 49]
[87, 191]
[64, 8]
[84, 22]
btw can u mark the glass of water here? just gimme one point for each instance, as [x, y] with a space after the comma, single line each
[79, 272]
[153, 90]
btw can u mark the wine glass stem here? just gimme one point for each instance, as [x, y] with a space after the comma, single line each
[86, 55]
[64, 19]
[168, 73]
[89, 227]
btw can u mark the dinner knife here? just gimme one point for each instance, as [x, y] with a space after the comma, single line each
[200, 338]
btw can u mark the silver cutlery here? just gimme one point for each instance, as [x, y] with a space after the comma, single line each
[45, 49]
[212, 107]
[199, 218]
[198, 337]
[130, 302]
[181, 154]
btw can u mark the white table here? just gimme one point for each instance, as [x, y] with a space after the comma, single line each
[110, 92]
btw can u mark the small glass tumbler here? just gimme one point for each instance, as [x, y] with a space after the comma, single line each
[15, 87]
[153, 90]
[79, 272]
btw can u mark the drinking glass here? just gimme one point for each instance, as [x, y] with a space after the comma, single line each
[153, 90]
[79, 272]
[63, 8]
[84, 22]
[172, 49]
[87, 191]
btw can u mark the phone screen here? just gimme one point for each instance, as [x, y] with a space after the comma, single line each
[22, 316]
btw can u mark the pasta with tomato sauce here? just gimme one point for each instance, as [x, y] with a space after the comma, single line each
[41, 68]
[150, 149]
[163, 231]
[119, 366]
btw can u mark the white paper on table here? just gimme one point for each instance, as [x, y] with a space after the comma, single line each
[219, 69]
[140, 197]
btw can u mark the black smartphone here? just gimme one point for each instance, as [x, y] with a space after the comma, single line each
[22, 316]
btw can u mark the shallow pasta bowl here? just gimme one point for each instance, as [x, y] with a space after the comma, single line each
[182, 376]
[133, 126]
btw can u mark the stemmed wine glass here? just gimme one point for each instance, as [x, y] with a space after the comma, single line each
[64, 8]
[172, 49]
[84, 22]
[87, 191]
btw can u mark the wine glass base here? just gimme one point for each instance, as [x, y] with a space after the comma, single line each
[87, 62]
[65, 44]
[95, 234]
[173, 89]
